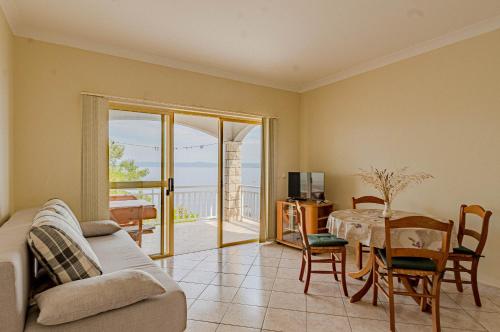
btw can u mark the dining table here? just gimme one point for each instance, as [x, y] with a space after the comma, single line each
[367, 226]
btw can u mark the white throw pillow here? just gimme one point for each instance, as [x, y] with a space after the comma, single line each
[95, 295]
[60, 207]
[60, 249]
[99, 228]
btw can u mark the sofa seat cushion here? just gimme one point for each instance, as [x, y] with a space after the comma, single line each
[166, 312]
[119, 251]
[325, 240]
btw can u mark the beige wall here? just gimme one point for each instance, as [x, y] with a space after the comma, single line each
[49, 79]
[438, 112]
[6, 118]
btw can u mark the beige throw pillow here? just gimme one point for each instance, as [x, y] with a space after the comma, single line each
[95, 295]
[99, 228]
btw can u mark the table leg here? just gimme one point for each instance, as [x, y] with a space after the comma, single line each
[410, 286]
[368, 269]
[139, 232]
[365, 270]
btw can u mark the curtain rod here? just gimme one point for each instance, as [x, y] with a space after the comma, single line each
[176, 107]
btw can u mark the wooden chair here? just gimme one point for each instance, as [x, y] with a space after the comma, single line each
[132, 220]
[133, 224]
[358, 247]
[418, 263]
[462, 253]
[317, 244]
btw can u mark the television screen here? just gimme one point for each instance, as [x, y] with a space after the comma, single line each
[306, 185]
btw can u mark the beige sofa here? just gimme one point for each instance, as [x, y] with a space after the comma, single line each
[166, 312]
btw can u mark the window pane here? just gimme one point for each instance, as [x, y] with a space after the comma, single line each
[134, 146]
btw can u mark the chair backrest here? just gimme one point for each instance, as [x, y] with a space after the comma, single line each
[462, 230]
[302, 226]
[366, 199]
[419, 222]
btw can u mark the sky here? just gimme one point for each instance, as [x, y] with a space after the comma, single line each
[142, 141]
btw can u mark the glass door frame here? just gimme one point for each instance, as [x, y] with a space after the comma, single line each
[166, 151]
[167, 171]
[220, 214]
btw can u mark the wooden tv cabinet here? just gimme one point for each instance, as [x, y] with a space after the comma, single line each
[315, 214]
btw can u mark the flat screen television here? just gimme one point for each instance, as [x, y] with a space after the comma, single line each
[306, 185]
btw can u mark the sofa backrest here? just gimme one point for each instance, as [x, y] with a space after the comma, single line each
[16, 265]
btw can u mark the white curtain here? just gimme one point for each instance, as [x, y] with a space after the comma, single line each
[95, 177]
[268, 181]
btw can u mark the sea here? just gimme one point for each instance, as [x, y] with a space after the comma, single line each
[201, 174]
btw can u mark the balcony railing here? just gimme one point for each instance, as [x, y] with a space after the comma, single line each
[202, 200]
[250, 202]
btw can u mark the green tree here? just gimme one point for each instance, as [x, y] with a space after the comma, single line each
[123, 170]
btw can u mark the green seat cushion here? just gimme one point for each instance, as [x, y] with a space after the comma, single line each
[464, 250]
[325, 240]
[409, 263]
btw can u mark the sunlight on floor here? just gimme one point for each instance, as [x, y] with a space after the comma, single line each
[201, 235]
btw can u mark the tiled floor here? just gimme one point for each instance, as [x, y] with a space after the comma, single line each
[201, 235]
[255, 288]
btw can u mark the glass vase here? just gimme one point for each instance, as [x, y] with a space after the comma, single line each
[387, 213]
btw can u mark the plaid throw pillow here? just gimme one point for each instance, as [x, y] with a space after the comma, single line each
[61, 250]
[60, 207]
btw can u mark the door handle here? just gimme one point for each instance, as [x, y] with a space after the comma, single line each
[170, 185]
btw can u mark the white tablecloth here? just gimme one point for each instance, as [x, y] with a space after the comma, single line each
[367, 226]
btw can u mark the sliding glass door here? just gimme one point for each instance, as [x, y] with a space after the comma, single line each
[138, 175]
[196, 149]
[217, 176]
[216, 198]
[241, 181]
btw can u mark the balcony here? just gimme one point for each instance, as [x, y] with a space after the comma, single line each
[195, 217]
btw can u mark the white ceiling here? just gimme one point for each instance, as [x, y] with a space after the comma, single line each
[290, 44]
